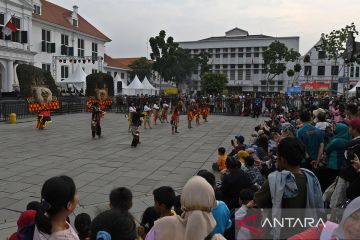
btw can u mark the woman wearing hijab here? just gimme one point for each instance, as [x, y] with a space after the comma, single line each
[197, 222]
[349, 227]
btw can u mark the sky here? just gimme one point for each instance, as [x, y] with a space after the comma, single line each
[130, 23]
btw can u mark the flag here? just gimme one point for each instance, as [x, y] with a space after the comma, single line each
[9, 28]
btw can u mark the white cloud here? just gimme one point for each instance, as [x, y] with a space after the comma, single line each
[129, 23]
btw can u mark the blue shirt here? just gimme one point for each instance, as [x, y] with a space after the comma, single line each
[311, 138]
[221, 213]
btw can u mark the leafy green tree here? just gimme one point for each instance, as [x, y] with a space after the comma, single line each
[141, 67]
[276, 58]
[213, 83]
[202, 59]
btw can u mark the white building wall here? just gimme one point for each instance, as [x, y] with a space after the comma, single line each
[256, 82]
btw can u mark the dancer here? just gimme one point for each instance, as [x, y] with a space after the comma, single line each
[132, 109]
[156, 113]
[197, 114]
[190, 113]
[135, 124]
[175, 120]
[205, 111]
[147, 116]
[164, 113]
[96, 115]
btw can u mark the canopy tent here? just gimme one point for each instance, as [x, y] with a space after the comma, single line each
[77, 79]
[134, 88]
[149, 89]
[352, 92]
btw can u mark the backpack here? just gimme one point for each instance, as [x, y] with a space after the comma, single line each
[26, 233]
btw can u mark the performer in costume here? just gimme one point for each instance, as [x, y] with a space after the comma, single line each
[190, 113]
[205, 111]
[132, 109]
[96, 115]
[147, 116]
[135, 127]
[175, 120]
[164, 113]
[155, 113]
[197, 114]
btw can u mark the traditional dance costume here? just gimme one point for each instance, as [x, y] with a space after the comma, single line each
[155, 113]
[175, 121]
[190, 115]
[205, 111]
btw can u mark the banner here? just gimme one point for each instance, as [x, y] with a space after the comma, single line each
[316, 86]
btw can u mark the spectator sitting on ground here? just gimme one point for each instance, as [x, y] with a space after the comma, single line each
[219, 166]
[197, 199]
[220, 212]
[274, 140]
[82, 225]
[238, 146]
[24, 223]
[121, 199]
[252, 172]
[113, 224]
[246, 195]
[33, 205]
[164, 199]
[58, 200]
[147, 221]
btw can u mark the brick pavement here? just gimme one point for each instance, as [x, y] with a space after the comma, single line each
[28, 157]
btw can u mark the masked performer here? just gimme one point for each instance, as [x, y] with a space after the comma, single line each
[96, 115]
[135, 127]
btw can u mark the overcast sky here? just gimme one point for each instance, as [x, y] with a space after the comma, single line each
[130, 23]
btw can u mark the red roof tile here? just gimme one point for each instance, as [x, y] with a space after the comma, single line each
[55, 14]
[115, 62]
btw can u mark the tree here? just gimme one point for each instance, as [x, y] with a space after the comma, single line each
[172, 62]
[213, 83]
[276, 58]
[202, 59]
[141, 67]
[334, 43]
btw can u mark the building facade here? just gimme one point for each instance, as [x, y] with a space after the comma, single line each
[15, 48]
[319, 68]
[119, 69]
[240, 56]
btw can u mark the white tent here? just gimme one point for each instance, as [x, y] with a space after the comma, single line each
[149, 89]
[77, 79]
[135, 87]
[352, 92]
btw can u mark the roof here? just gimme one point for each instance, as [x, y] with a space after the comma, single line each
[260, 36]
[55, 14]
[117, 62]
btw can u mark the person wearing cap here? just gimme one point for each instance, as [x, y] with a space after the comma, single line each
[239, 145]
[147, 116]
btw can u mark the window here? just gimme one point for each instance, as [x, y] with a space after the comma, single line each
[248, 65]
[240, 66]
[280, 83]
[248, 49]
[195, 50]
[217, 55]
[256, 71]
[196, 72]
[122, 75]
[15, 36]
[225, 49]
[64, 44]
[357, 72]
[248, 74]
[256, 65]
[256, 54]
[225, 66]
[210, 50]
[46, 44]
[94, 52]
[248, 55]
[232, 75]
[2, 19]
[217, 66]
[352, 71]
[322, 54]
[45, 67]
[240, 74]
[307, 71]
[232, 66]
[81, 47]
[263, 82]
[64, 72]
[218, 50]
[225, 55]
[233, 50]
[264, 49]
[256, 49]
[94, 71]
[241, 55]
[321, 70]
[334, 70]
[37, 9]
[75, 22]
[241, 49]
[233, 55]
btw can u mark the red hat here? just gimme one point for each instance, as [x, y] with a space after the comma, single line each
[355, 124]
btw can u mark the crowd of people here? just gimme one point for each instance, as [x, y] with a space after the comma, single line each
[303, 158]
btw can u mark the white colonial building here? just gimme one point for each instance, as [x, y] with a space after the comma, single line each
[239, 55]
[64, 40]
[15, 48]
[320, 68]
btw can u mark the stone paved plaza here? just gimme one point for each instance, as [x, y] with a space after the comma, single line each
[28, 157]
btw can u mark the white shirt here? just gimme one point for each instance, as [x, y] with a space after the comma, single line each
[68, 234]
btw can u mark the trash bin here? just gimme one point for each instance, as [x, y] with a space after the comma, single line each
[12, 118]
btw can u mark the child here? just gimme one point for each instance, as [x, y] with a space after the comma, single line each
[219, 166]
[246, 195]
[121, 199]
[164, 199]
[25, 225]
[147, 221]
[174, 121]
[82, 225]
